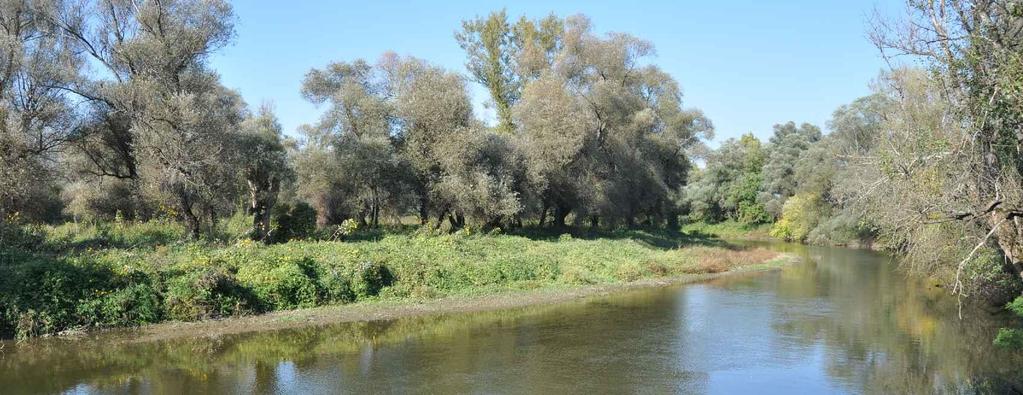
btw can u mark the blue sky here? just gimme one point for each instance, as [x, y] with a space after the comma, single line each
[747, 64]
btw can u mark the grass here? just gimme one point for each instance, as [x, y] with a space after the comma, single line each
[73, 277]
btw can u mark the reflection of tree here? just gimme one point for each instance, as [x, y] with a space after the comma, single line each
[441, 350]
[884, 333]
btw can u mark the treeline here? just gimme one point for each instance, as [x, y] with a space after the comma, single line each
[113, 110]
[930, 165]
[896, 172]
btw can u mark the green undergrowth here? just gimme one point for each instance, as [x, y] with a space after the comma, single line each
[1012, 337]
[729, 229]
[100, 276]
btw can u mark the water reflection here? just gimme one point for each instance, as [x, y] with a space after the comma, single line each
[841, 321]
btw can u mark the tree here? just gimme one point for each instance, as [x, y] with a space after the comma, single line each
[432, 105]
[786, 147]
[153, 56]
[962, 166]
[37, 118]
[488, 44]
[265, 167]
[358, 126]
[632, 162]
[727, 186]
[554, 126]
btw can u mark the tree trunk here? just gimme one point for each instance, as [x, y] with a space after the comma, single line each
[594, 221]
[263, 197]
[191, 220]
[673, 220]
[559, 216]
[424, 209]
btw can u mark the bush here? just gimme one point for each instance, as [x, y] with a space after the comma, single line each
[282, 282]
[46, 293]
[799, 216]
[210, 292]
[1009, 337]
[134, 305]
[989, 280]
[42, 295]
[334, 286]
[18, 237]
[372, 278]
[290, 222]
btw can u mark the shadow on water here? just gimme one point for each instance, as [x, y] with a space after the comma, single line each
[653, 237]
[840, 321]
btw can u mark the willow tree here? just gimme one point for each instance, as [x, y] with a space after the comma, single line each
[633, 154]
[975, 152]
[458, 168]
[503, 56]
[264, 163]
[37, 118]
[358, 125]
[152, 57]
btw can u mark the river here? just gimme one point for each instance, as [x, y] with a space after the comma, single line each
[839, 321]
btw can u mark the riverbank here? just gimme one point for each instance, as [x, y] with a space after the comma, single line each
[380, 310]
[72, 290]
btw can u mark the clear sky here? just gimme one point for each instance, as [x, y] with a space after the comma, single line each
[747, 64]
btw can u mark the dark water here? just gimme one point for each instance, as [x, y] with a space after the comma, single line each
[842, 321]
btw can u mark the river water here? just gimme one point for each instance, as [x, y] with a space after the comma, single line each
[840, 321]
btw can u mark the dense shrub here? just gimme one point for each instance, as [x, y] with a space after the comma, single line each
[988, 279]
[1012, 337]
[292, 221]
[210, 292]
[372, 278]
[282, 282]
[799, 217]
[41, 295]
[133, 305]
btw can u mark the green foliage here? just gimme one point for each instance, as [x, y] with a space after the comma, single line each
[788, 145]
[1009, 338]
[1012, 337]
[987, 278]
[1016, 306]
[206, 292]
[728, 230]
[728, 186]
[134, 305]
[282, 282]
[113, 234]
[372, 278]
[800, 215]
[49, 292]
[292, 221]
[743, 196]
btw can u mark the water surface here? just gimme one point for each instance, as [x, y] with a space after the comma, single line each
[841, 321]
